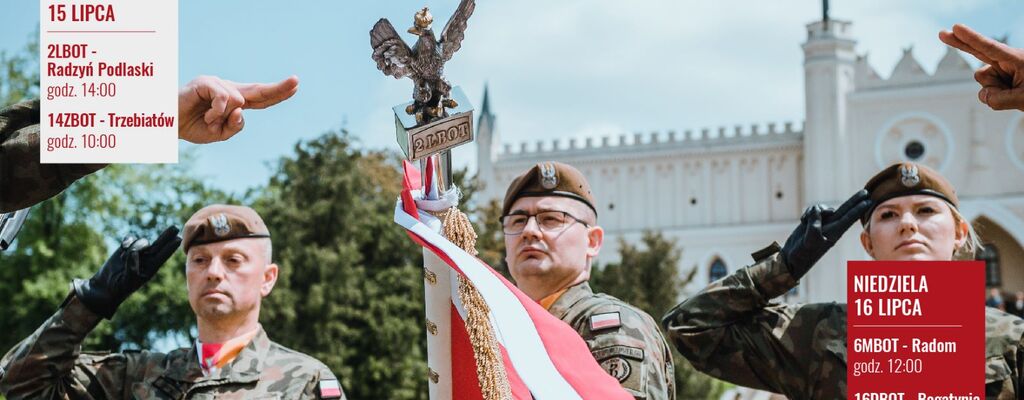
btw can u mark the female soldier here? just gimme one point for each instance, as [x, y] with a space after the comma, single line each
[731, 331]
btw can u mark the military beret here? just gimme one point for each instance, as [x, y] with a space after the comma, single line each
[549, 178]
[905, 179]
[220, 222]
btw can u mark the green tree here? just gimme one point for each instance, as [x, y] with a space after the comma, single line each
[490, 239]
[647, 277]
[484, 214]
[350, 290]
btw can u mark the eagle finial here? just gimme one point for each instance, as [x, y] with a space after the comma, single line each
[424, 62]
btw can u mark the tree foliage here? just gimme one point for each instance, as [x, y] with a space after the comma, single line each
[647, 277]
[490, 239]
[350, 290]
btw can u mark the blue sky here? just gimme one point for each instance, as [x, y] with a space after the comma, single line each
[565, 69]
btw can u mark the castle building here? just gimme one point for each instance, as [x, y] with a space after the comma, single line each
[724, 193]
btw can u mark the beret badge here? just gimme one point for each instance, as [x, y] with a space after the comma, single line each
[909, 176]
[220, 224]
[548, 178]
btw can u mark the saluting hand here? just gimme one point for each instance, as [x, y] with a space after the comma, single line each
[210, 108]
[128, 268]
[1002, 79]
[820, 228]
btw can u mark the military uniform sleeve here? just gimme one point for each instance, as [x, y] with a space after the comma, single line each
[48, 364]
[629, 346]
[23, 180]
[324, 385]
[731, 331]
[1004, 376]
[1004, 350]
[1018, 361]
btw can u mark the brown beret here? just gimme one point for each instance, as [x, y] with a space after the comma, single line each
[549, 178]
[220, 222]
[905, 179]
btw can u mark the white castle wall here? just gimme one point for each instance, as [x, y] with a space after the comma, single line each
[749, 177]
[729, 191]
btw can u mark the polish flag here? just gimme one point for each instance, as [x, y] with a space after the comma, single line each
[604, 321]
[330, 389]
[544, 358]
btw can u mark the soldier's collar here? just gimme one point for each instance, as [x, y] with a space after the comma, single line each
[548, 301]
[571, 296]
[245, 368]
[215, 356]
[249, 362]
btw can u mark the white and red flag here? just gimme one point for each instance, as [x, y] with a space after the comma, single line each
[544, 358]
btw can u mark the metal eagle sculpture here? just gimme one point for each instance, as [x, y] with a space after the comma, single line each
[424, 62]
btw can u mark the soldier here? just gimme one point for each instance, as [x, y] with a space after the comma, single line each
[551, 239]
[228, 272]
[209, 110]
[731, 331]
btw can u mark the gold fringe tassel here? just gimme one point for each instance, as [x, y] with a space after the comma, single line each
[490, 369]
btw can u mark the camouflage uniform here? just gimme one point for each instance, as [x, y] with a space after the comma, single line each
[632, 350]
[23, 180]
[49, 364]
[731, 331]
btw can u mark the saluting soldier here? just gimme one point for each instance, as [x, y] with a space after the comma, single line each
[228, 272]
[209, 110]
[551, 240]
[732, 331]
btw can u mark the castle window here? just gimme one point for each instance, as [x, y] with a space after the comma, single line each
[990, 255]
[914, 150]
[717, 270]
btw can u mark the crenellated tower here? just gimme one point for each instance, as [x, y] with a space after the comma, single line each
[829, 77]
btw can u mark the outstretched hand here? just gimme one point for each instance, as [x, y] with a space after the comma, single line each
[210, 108]
[820, 228]
[1002, 79]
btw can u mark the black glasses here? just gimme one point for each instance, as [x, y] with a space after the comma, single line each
[547, 221]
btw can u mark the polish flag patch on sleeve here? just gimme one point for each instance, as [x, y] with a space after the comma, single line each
[329, 389]
[605, 321]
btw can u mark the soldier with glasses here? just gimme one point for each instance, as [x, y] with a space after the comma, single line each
[551, 240]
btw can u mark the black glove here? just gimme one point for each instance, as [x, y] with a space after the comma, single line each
[820, 228]
[130, 267]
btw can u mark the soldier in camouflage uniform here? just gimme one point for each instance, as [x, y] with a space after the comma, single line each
[209, 110]
[551, 238]
[228, 272]
[732, 331]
